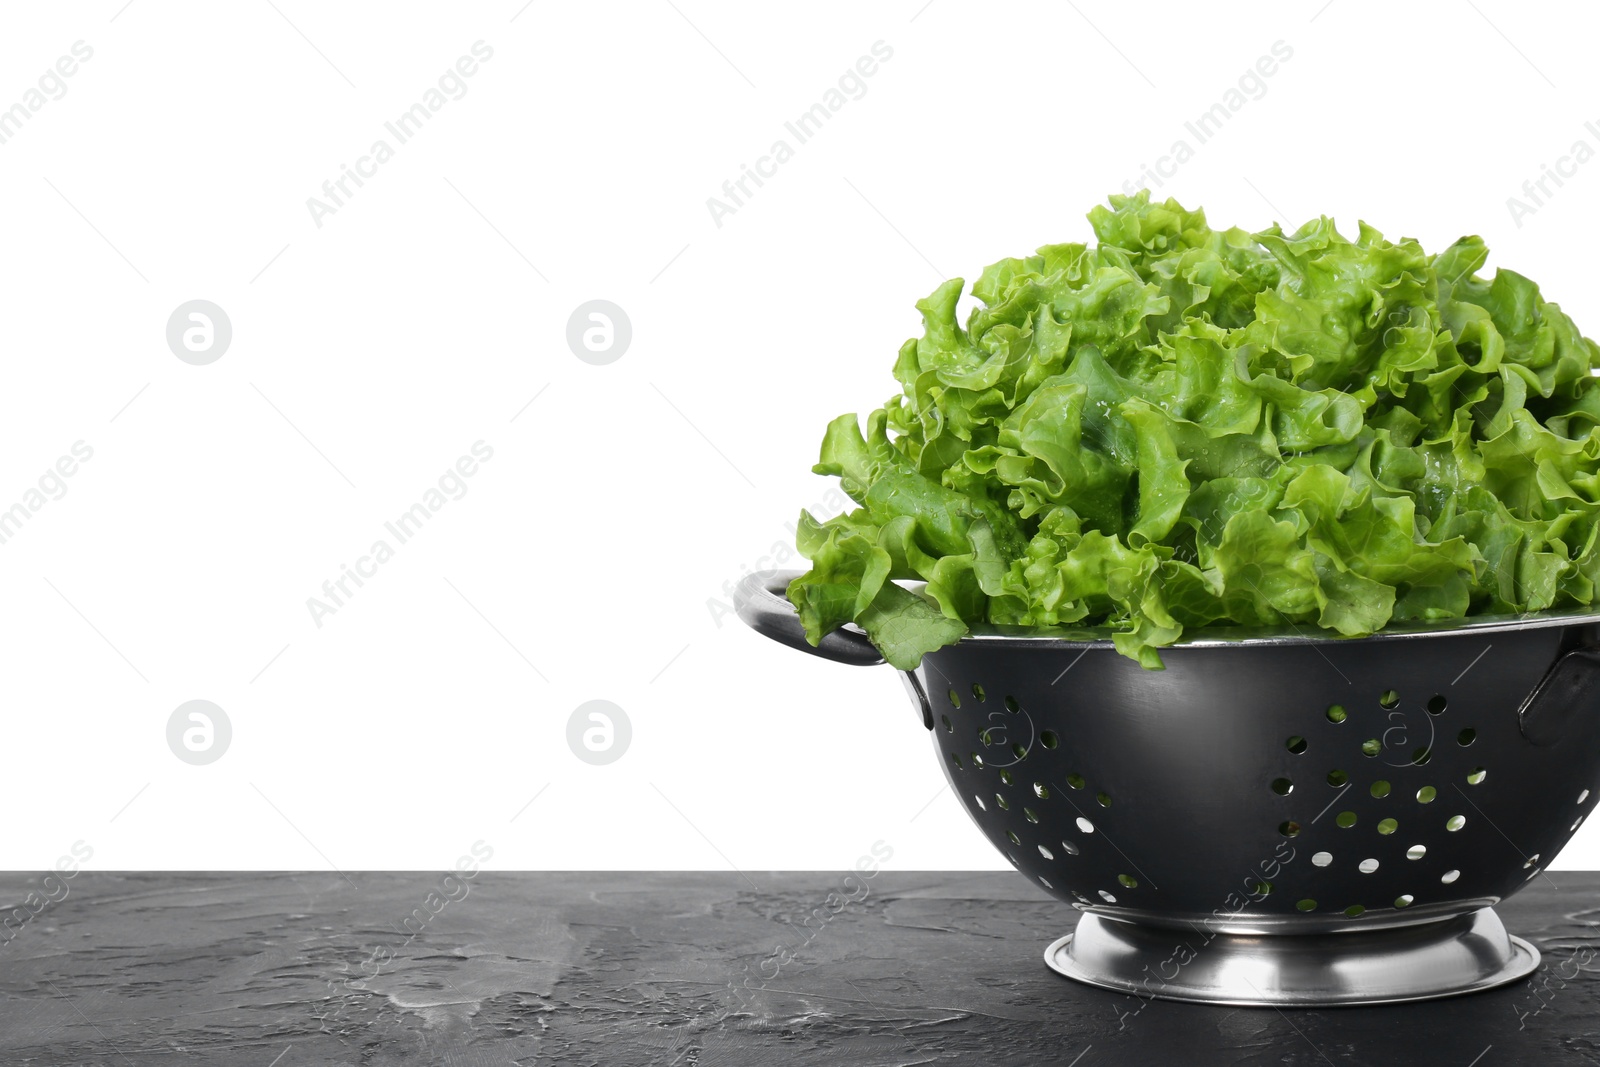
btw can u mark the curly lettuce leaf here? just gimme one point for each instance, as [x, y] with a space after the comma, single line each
[1180, 427]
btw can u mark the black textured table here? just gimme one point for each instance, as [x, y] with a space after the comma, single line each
[290, 970]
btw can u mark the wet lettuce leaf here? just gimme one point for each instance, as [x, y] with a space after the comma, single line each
[1181, 427]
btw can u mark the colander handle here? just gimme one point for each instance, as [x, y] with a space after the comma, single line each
[1562, 697]
[761, 603]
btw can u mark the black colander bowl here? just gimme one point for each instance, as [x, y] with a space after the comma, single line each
[1273, 818]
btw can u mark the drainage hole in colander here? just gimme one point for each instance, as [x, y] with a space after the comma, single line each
[1295, 744]
[1012, 705]
[1005, 776]
[1336, 713]
[949, 726]
[1107, 897]
[1307, 905]
[1576, 823]
[1103, 799]
[1354, 910]
[955, 697]
[1080, 897]
[1367, 866]
[1345, 819]
[1531, 861]
[1387, 826]
[1045, 882]
[1085, 825]
[1421, 755]
[1005, 805]
[1337, 778]
[1436, 705]
[1455, 822]
[1380, 788]
[1449, 876]
[1040, 791]
[1289, 828]
[1389, 698]
[1321, 859]
[1466, 737]
[1011, 835]
[1075, 780]
[1128, 881]
[986, 736]
[1583, 796]
[1049, 739]
[955, 760]
[1532, 875]
[1403, 900]
[1019, 750]
[981, 805]
[1071, 849]
[977, 691]
[1282, 786]
[1371, 747]
[1476, 776]
[1046, 853]
[1416, 852]
[977, 760]
[1426, 794]
[1033, 816]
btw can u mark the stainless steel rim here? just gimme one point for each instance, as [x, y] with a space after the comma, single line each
[1230, 637]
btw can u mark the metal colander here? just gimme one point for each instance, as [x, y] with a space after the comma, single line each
[1271, 819]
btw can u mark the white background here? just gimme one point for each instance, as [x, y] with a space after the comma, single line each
[369, 353]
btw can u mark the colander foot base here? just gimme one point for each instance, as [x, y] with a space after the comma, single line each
[1441, 958]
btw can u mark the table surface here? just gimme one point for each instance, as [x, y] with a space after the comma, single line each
[290, 970]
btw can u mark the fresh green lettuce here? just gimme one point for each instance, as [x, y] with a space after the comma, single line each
[1182, 427]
